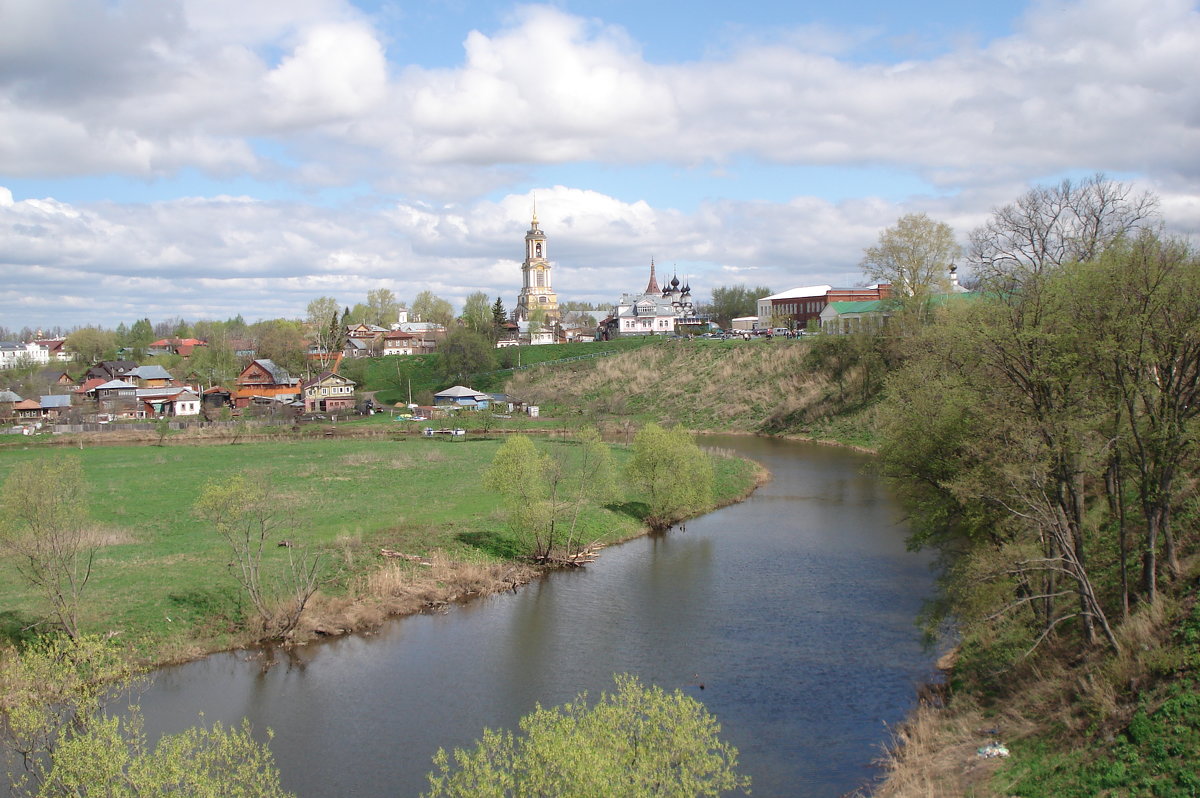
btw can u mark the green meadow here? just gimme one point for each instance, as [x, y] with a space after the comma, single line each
[161, 578]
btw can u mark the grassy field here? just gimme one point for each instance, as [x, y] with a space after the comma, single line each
[161, 578]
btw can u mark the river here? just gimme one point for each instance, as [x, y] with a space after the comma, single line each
[794, 609]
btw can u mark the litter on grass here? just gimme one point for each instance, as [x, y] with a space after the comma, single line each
[992, 750]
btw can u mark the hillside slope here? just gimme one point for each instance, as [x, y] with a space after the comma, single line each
[761, 386]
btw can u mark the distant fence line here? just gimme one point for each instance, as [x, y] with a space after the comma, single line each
[589, 355]
[62, 429]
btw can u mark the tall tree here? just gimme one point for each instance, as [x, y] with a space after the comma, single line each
[383, 309]
[465, 352]
[247, 513]
[431, 308]
[914, 256]
[1049, 226]
[323, 328]
[477, 314]
[1142, 317]
[91, 344]
[499, 316]
[282, 341]
[519, 473]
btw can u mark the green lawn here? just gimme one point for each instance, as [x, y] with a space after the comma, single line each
[163, 579]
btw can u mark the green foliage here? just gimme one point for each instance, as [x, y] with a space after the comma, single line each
[548, 496]
[54, 718]
[429, 307]
[91, 345]
[382, 309]
[639, 741]
[735, 301]
[914, 256]
[519, 474]
[465, 352]
[113, 758]
[477, 315]
[676, 477]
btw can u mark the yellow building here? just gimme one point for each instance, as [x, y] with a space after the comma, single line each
[536, 289]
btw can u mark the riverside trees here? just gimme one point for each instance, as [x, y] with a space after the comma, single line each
[1023, 424]
[674, 473]
[54, 718]
[914, 256]
[247, 513]
[545, 496]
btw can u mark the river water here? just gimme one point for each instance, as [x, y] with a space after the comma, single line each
[794, 609]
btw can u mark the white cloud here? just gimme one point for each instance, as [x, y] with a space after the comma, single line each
[301, 92]
[149, 88]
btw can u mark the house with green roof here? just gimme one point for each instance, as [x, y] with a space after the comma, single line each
[843, 318]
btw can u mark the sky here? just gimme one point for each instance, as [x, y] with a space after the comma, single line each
[200, 159]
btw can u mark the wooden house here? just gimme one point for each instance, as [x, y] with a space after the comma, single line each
[328, 392]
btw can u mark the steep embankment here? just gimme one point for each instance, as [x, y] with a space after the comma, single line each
[759, 386]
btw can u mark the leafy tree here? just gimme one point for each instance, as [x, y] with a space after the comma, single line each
[595, 482]
[734, 301]
[1138, 315]
[281, 341]
[676, 476]
[465, 352]
[45, 530]
[215, 364]
[914, 256]
[54, 718]
[477, 315]
[637, 741]
[382, 307]
[141, 335]
[431, 308]
[91, 345]
[248, 514]
[519, 473]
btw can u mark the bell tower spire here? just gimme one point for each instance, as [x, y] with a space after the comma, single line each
[537, 293]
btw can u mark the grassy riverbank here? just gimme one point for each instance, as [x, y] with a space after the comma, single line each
[161, 579]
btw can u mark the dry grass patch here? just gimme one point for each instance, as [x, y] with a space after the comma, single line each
[102, 536]
[363, 458]
[405, 587]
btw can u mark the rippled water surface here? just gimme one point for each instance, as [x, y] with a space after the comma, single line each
[795, 610]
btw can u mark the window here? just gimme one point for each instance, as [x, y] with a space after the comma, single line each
[541, 279]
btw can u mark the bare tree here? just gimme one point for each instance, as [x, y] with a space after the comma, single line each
[324, 328]
[1052, 225]
[45, 530]
[248, 514]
